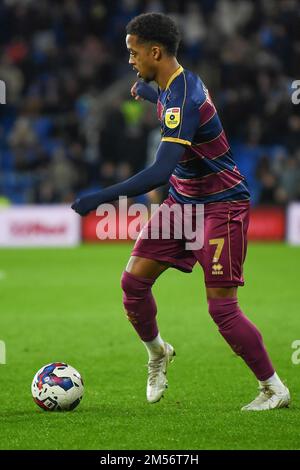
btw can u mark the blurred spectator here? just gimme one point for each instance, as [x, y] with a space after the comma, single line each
[290, 179]
[268, 182]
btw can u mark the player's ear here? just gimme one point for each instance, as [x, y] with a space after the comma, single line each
[156, 52]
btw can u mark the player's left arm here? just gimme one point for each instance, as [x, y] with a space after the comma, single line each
[158, 174]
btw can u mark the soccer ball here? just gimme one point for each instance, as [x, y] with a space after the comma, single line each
[57, 387]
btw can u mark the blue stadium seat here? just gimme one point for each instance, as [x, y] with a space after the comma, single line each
[42, 126]
[7, 160]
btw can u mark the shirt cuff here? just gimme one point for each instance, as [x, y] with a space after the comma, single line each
[175, 139]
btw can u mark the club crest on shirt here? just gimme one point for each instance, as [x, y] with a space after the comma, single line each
[172, 117]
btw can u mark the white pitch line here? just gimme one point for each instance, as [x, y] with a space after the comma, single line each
[2, 275]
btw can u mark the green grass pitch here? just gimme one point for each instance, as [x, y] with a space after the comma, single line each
[66, 305]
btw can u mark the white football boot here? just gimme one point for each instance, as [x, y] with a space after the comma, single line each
[157, 370]
[269, 398]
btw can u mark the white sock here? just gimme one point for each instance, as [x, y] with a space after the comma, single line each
[155, 348]
[274, 381]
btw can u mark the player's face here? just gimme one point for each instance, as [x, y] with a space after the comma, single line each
[142, 57]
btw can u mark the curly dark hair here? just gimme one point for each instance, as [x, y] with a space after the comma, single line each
[156, 27]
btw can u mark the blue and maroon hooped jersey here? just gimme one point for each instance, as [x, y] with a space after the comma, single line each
[206, 172]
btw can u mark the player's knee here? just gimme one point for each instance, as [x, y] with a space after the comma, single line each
[137, 297]
[134, 286]
[125, 283]
[223, 311]
[129, 284]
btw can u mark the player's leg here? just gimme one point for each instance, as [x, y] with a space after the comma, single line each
[222, 260]
[242, 336]
[246, 341]
[153, 253]
[140, 306]
[137, 281]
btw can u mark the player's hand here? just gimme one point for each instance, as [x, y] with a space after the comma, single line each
[83, 205]
[142, 91]
[134, 93]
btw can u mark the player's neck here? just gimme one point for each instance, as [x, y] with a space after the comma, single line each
[165, 73]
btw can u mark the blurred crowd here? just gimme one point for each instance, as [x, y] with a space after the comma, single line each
[70, 125]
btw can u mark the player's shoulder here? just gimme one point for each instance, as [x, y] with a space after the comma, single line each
[189, 86]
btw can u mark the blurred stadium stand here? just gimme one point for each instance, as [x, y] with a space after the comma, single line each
[70, 125]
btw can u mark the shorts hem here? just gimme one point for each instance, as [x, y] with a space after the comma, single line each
[166, 259]
[224, 284]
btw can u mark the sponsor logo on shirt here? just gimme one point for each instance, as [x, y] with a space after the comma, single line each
[172, 117]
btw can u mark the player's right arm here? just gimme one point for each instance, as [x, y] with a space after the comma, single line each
[142, 91]
[167, 157]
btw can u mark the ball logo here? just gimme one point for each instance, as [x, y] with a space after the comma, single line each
[172, 117]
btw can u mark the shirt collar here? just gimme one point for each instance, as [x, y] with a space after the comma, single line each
[174, 75]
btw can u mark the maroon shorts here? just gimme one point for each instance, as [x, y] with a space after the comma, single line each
[224, 249]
